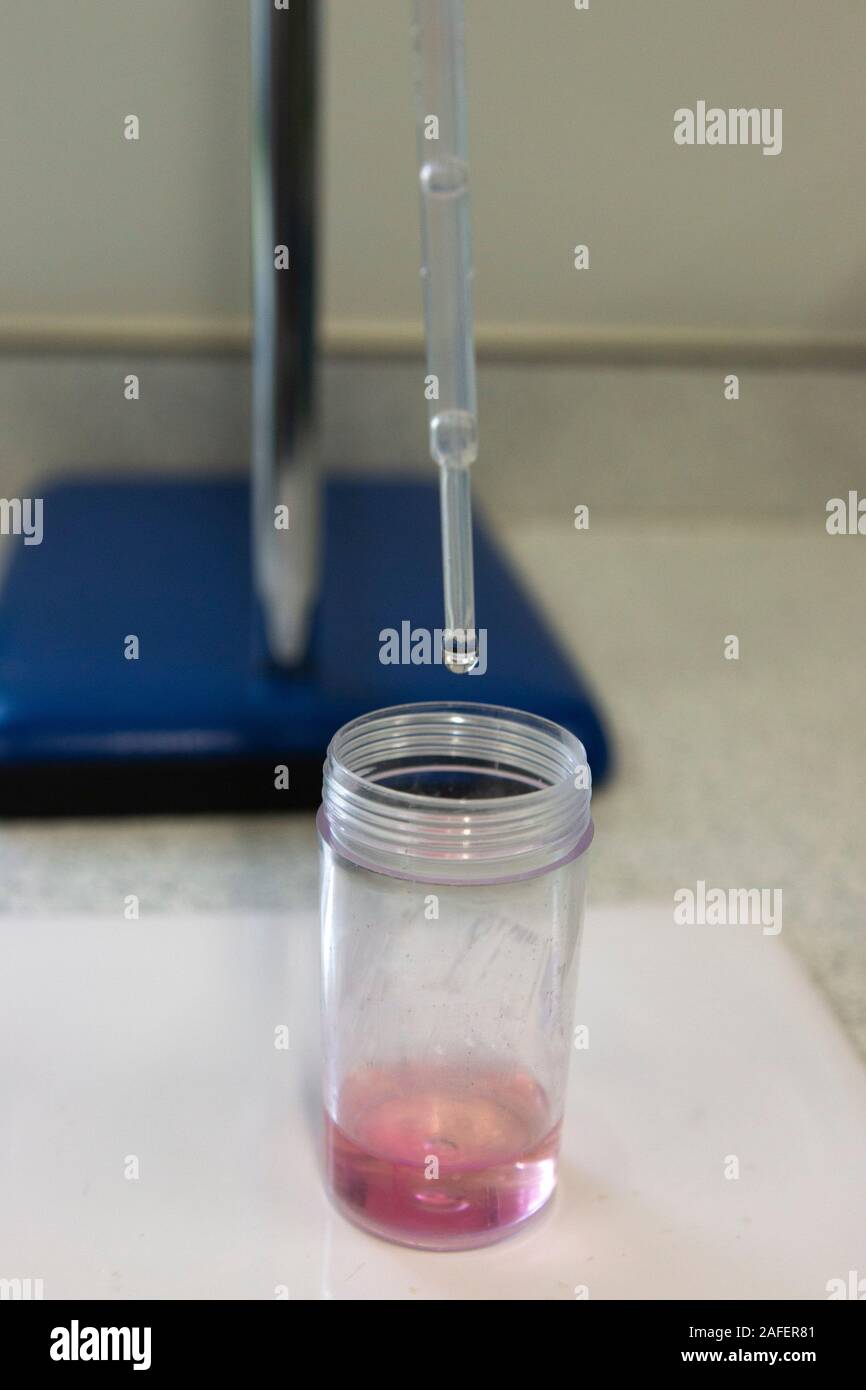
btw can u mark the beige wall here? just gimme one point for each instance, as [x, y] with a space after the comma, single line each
[571, 132]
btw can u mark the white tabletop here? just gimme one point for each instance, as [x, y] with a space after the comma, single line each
[148, 1046]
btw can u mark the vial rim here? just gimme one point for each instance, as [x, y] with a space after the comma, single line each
[465, 839]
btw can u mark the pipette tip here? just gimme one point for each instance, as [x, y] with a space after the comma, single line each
[460, 663]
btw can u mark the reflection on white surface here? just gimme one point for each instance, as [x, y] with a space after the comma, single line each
[156, 1040]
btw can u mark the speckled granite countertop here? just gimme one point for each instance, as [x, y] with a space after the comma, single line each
[745, 773]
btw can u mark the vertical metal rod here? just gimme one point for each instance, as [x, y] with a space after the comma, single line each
[284, 161]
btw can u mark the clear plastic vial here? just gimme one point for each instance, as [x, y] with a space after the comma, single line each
[453, 842]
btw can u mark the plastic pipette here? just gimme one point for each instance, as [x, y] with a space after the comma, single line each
[446, 236]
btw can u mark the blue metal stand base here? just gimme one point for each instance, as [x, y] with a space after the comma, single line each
[198, 721]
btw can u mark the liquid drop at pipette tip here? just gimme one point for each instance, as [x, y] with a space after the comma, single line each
[460, 663]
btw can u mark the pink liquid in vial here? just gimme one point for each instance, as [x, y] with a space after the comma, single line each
[490, 1134]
